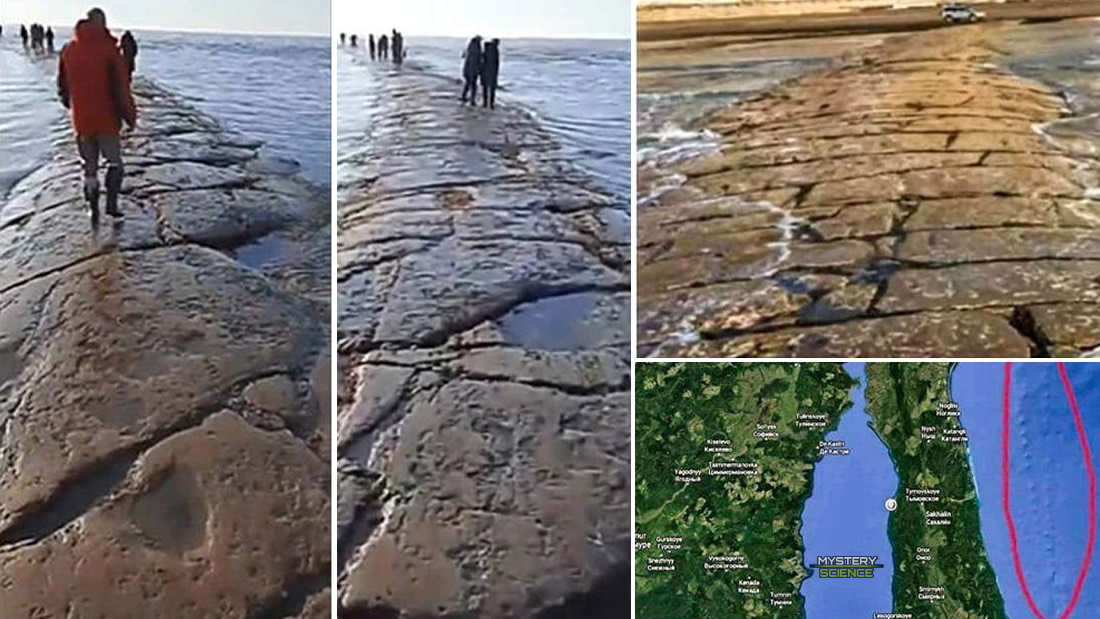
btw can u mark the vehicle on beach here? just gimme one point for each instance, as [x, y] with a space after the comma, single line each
[960, 14]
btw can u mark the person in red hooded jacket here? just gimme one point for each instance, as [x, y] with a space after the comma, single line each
[94, 84]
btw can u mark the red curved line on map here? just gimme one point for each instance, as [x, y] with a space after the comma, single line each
[1004, 492]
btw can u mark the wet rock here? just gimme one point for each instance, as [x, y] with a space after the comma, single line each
[131, 356]
[992, 284]
[176, 540]
[124, 345]
[991, 212]
[484, 334]
[518, 494]
[931, 192]
[959, 334]
[1071, 328]
[951, 246]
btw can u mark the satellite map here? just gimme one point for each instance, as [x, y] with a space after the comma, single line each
[866, 490]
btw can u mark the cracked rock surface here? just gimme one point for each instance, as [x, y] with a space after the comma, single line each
[160, 398]
[484, 318]
[912, 199]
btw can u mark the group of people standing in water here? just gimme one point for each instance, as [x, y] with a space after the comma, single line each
[386, 47]
[37, 38]
[482, 64]
[40, 38]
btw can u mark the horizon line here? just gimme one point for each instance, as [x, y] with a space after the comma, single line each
[584, 37]
[334, 33]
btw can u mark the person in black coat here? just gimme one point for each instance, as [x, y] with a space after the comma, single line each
[490, 69]
[471, 69]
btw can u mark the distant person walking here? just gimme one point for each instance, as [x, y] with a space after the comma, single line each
[23, 35]
[355, 40]
[370, 42]
[129, 49]
[490, 70]
[471, 69]
[383, 47]
[93, 84]
[49, 40]
[398, 47]
[343, 38]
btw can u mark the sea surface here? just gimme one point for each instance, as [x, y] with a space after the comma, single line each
[1047, 474]
[678, 88]
[275, 89]
[1064, 56]
[846, 516]
[578, 89]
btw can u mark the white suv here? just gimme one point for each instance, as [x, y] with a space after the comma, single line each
[960, 14]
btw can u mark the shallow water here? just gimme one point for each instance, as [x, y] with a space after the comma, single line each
[30, 118]
[1065, 57]
[563, 322]
[578, 89]
[675, 96]
[274, 89]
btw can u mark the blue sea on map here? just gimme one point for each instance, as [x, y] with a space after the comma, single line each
[846, 516]
[1049, 481]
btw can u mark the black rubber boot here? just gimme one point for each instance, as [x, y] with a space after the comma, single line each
[114, 186]
[91, 195]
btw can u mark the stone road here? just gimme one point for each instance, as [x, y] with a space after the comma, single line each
[163, 435]
[484, 315]
[912, 200]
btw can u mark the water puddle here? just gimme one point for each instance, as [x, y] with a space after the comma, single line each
[580, 321]
[265, 251]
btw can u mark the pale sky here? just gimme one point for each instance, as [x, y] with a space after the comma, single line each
[241, 16]
[489, 18]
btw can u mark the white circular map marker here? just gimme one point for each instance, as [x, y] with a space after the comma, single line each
[891, 504]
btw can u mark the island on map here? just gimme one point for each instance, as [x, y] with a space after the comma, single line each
[942, 570]
[725, 454]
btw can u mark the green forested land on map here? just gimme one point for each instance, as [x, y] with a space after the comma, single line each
[901, 398]
[678, 408]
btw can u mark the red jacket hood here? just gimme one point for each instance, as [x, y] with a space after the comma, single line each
[87, 33]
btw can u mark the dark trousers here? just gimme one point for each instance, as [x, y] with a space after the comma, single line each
[488, 92]
[471, 88]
